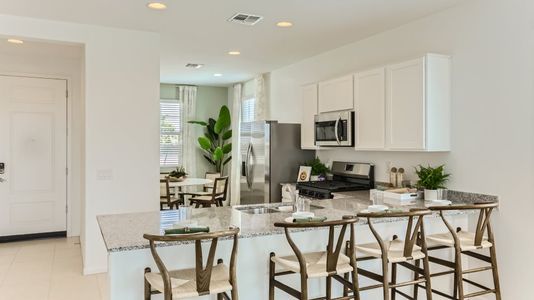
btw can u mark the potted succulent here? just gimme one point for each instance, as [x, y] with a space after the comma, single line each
[319, 170]
[431, 179]
[177, 175]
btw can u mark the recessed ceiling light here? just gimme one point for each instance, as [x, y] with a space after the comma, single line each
[15, 41]
[284, 24]
[157, 5]
[234, 52]
[217, 74]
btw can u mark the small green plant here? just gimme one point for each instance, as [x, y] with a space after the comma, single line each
[431, 178]
[179, 172]
[216, 143]
[318, 168]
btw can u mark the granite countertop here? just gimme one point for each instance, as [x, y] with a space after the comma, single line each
[124, 232]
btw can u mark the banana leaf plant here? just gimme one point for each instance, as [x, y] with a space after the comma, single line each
[216, 142]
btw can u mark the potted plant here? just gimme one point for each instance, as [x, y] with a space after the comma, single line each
[319, 170]
[177, 175]
[215, 143]
[431, 179]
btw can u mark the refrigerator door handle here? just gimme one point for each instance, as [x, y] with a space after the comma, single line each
[336, 130]
[248, 166]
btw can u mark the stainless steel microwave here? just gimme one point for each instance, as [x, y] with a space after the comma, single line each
[335, 129]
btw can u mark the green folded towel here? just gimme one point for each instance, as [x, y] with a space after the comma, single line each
[187, 230]
[309, 220]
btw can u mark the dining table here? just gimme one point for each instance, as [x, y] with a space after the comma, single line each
[188, 182]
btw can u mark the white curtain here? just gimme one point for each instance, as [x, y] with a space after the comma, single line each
[188, 96]
[236, 156]
[261, 98]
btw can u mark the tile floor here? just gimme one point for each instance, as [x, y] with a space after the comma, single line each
[48, 269]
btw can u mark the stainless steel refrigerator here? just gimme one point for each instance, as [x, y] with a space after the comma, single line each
[270, 155]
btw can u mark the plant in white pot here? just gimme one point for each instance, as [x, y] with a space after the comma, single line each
[319, 169]
[431, 179]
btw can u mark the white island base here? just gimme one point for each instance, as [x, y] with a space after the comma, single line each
[126, 267]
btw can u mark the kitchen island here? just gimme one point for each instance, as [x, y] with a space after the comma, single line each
[129, 252]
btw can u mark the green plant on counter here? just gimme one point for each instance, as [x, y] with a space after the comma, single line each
[431, 178]
[318, 168]
[178, 173]
[215, 143]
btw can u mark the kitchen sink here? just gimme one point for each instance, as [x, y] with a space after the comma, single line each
[259, 210]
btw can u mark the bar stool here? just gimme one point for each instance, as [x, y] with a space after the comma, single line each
[199, 281]
[397, 252]
[465, 242]
[323, 264]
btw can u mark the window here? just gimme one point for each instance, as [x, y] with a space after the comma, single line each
[170, 138]
[248, 110]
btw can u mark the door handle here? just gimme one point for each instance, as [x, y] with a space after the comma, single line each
[248, 166]
[336, 130]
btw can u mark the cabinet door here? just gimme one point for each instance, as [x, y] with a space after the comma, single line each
[309, 110]
[336, 94]
[406, 105]
[370, 107]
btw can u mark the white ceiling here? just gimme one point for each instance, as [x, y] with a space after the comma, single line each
[196, 31]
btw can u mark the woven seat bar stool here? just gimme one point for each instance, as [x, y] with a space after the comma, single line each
[323, 264]
[202, 280]
[397, 252]
[466, 243]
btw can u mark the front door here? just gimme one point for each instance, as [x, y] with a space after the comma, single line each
[33, 151]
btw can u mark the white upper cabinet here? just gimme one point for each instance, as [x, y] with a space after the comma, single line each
[370, 108]
[418, 104]
[309, 110]
[336, 94]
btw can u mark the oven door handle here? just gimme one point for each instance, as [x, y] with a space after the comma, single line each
[336, 130]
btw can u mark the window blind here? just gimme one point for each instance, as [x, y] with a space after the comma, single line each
[171, 146]
[248, 110]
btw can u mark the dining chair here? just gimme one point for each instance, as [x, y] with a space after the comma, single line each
[165, 195]
[329, 264]
[203, 279]
[211, 176]
[397, 252]
[217, 196]
[466, 243]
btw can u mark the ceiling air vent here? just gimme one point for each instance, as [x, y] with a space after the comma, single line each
[245, 19]
[194, 66]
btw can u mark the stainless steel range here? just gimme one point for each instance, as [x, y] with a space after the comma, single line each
[348, 176]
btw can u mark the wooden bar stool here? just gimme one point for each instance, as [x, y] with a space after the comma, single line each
[202, 280]
[465, 243]
[397, 252]
[324, 264]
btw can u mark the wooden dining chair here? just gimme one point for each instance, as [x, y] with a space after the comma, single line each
[211, 176]
[329, 264]
[204, 279]
[466, 243]
[165, 195]
[216, 197]
[397, 252]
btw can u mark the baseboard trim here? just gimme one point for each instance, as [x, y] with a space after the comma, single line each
[32, 236]
[91, 271]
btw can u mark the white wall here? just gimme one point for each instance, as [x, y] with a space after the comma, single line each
[56, 61]
[121, 120]
[492, 109]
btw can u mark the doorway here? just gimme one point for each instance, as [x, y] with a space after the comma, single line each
[33, 151]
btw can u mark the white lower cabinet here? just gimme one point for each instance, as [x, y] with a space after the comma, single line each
[309, 110]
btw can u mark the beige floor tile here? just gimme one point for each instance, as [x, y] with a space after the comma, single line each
[12, 250]
[68, 266]
[103, 284]
[6, 260]
[34, 255]
[70, 242]
[25, 291]
[24, 272]
[74, 287]
[66, 253]
[3, 273]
